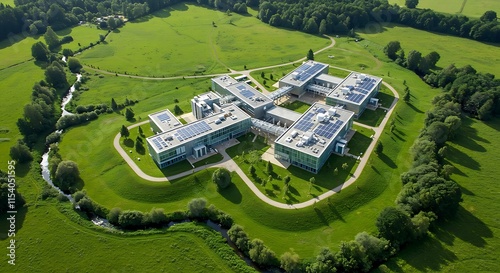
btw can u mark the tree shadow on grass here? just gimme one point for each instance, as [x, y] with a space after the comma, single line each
[128, 142]
[290, 199]
[293, 191]
[388, 161]
[23, 169]
[458, 157]
[335, 212]
[464, 226]
[436, 255]
[5, 223]
[415, 108]
[270, 193]
[232, 194]
[321, 217]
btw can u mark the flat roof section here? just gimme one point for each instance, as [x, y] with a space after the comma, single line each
[248, 94]
[225, 80]
[178, 136]
[329, 78]
[285, 113]
[304, 73]
[355, 88]
[165, 120]
[210, 95]
[316, 129]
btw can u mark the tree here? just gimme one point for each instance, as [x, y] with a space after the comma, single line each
[124, 132]
[157, 216]
[131, 219]
[407, 96]
[453, 123]
[139, 146]
[311, 26]
[324, 263]
[114, 215]
[395, 226]
[51, 38]
[197, 207]
[129, 114]
[489, 16]
[39, 51]
[411, 4]
[239, 238]
[262, 74]
[432, 58]
[312, 180]
[376, 249]
[413, 60]
[222, 178]
[322, 27]
[261, 254]
[310, 55]
[114, 106]
[380, 148]
[286, 180]
[20, 153]
[345, 166]
[290, 262]
[251, 170]
[391, 49]
[141, 133]
[177, 110]
[67, 52]
[437, 132]
[55, 75]
[102, 38]
[67, 174]
[336, 171]
[447, 171]
[269, 167]
[74, 65]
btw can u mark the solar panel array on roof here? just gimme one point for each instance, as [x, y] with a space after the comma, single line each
[192, 130]
[159, 143]
[309, 72]
[366, 86]
[356, 97]
[305, 123]
[302, 68]
[328, 130]
[321, 110]
[244, 91]
[163, 117]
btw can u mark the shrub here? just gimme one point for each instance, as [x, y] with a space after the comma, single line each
[222, 178]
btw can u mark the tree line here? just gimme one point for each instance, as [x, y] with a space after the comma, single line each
[342, 16]
[477, 94]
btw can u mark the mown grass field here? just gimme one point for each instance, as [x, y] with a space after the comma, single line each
[469, 242]
[455, 50]
[296, 105]
[8, 2]
[471, 8]
[190, 44]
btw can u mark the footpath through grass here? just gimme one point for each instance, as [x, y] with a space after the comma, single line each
[470, 242]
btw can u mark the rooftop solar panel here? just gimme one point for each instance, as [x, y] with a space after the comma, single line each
[192, 130]
[328, 130]
[247, 93]
[163, 117]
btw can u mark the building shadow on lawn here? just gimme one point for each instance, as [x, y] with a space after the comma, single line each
[232, 194]
[466, 227]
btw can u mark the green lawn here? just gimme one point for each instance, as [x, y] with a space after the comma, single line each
[8, 2]
[249, 153]
[16, 84]
[277, 73]
[360, 141]
[296, 105]
[209, 160]
[471, 241]
[236, 41]
[459, 51]
[372, 117]
[471, 8]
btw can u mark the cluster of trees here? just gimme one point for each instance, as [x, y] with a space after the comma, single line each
[64, 173]
[477, 94]
[341, 16]
[222, 178]
[255, 249]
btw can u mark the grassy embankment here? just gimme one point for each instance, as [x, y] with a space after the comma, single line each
[474, 8]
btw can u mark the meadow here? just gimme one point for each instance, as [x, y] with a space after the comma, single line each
[470, 241]
[204, 42]
[474, 8]
[8, 2]
[453, 50]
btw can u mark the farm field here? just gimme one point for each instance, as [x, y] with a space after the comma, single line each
[236, 41]
[469, 242]
[453, 50]
[471, 8]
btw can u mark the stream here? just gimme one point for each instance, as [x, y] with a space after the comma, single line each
[102, 222]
